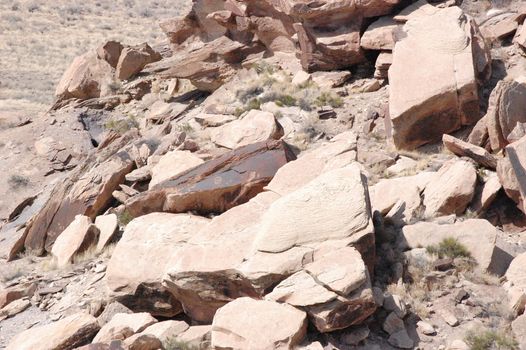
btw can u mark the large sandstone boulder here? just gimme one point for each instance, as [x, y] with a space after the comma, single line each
[149, 242]
[256, 126]
[478, 236]
[246, 323]
[506, 116]
[452, 189]
[172, 164]
[516, 274]
[300, 218]
[78, 237]
[232, 250]
[433, 78]
[68, 333]
[216, 185]
[84, 77]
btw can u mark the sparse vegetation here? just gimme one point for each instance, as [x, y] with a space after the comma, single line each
[449, 247]
[122, 125]
[274, 86]
[328, 99]
[489, 340]
[17, 181]
[9, 273]
[175, 344]
[124, 218]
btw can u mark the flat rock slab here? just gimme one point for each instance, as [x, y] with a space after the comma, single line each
[68, 333]
[216, 185]
[465, 149]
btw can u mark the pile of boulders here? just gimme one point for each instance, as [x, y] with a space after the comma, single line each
[230, 237]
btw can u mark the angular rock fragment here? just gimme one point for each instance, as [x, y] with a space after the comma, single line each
[133, 59]
[78, 237]
[16, 292]
[486, 193]
[135, 322]
[107, 225]
[511, 172]
[216, 185]
[465, 149]
[256, 126]
[451, 190]
[506, 113]
[172, 164]
[110, 52]
[246, 323]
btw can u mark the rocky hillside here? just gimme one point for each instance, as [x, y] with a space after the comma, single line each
[288, 174]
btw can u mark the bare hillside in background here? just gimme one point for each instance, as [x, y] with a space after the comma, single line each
[40, 38]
